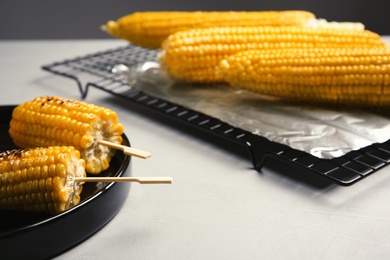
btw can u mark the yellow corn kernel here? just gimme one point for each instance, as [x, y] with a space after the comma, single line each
[149, 29]
[194, 55]
[36, 191]
[67, 122]
[326, 75]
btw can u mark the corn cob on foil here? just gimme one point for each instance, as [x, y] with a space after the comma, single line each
[54, 121]
[150, 29]
[40, 179]
[193, 56]
[349, 76]
[198, 62]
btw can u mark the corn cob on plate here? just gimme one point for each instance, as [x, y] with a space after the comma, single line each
[54, 121]
[40, 179]
[45, 235]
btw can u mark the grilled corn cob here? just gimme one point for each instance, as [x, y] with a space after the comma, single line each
[344, 76]
[50, 121]
[194, 55]
[149, 29]
[40, 179]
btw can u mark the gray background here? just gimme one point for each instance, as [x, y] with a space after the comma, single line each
[53, 19]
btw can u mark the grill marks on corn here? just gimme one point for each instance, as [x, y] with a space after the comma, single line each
[349, 76]
[40, 179]
[12, 154]
[49, 122]
[53, 121]
[194, 55]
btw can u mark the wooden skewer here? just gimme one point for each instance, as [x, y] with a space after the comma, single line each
[103, 28]
[141, 180]
[126, 149]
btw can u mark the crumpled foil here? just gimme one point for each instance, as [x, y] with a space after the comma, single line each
[322, 132]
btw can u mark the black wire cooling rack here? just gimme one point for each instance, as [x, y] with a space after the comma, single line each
[95, 70]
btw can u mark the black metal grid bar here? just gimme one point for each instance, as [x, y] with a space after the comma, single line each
[94, 70]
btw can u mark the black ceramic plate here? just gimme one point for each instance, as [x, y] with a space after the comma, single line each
[39, 236]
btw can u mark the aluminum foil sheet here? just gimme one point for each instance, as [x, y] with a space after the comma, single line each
[322, 132]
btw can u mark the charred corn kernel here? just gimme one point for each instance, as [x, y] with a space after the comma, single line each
[194, 55]
[345, 76]
[149, 29]
[50, 121]
[36, 191]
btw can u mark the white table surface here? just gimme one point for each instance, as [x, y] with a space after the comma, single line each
[218, 207]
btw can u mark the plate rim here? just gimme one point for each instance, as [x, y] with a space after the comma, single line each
[25, 231]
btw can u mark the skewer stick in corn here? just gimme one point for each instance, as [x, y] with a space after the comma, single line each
[344, 76]
[150, 29]
[50, 121]
[49, 180]
[194, 55]
[141, 180]
[126, 149]
[41, 179]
